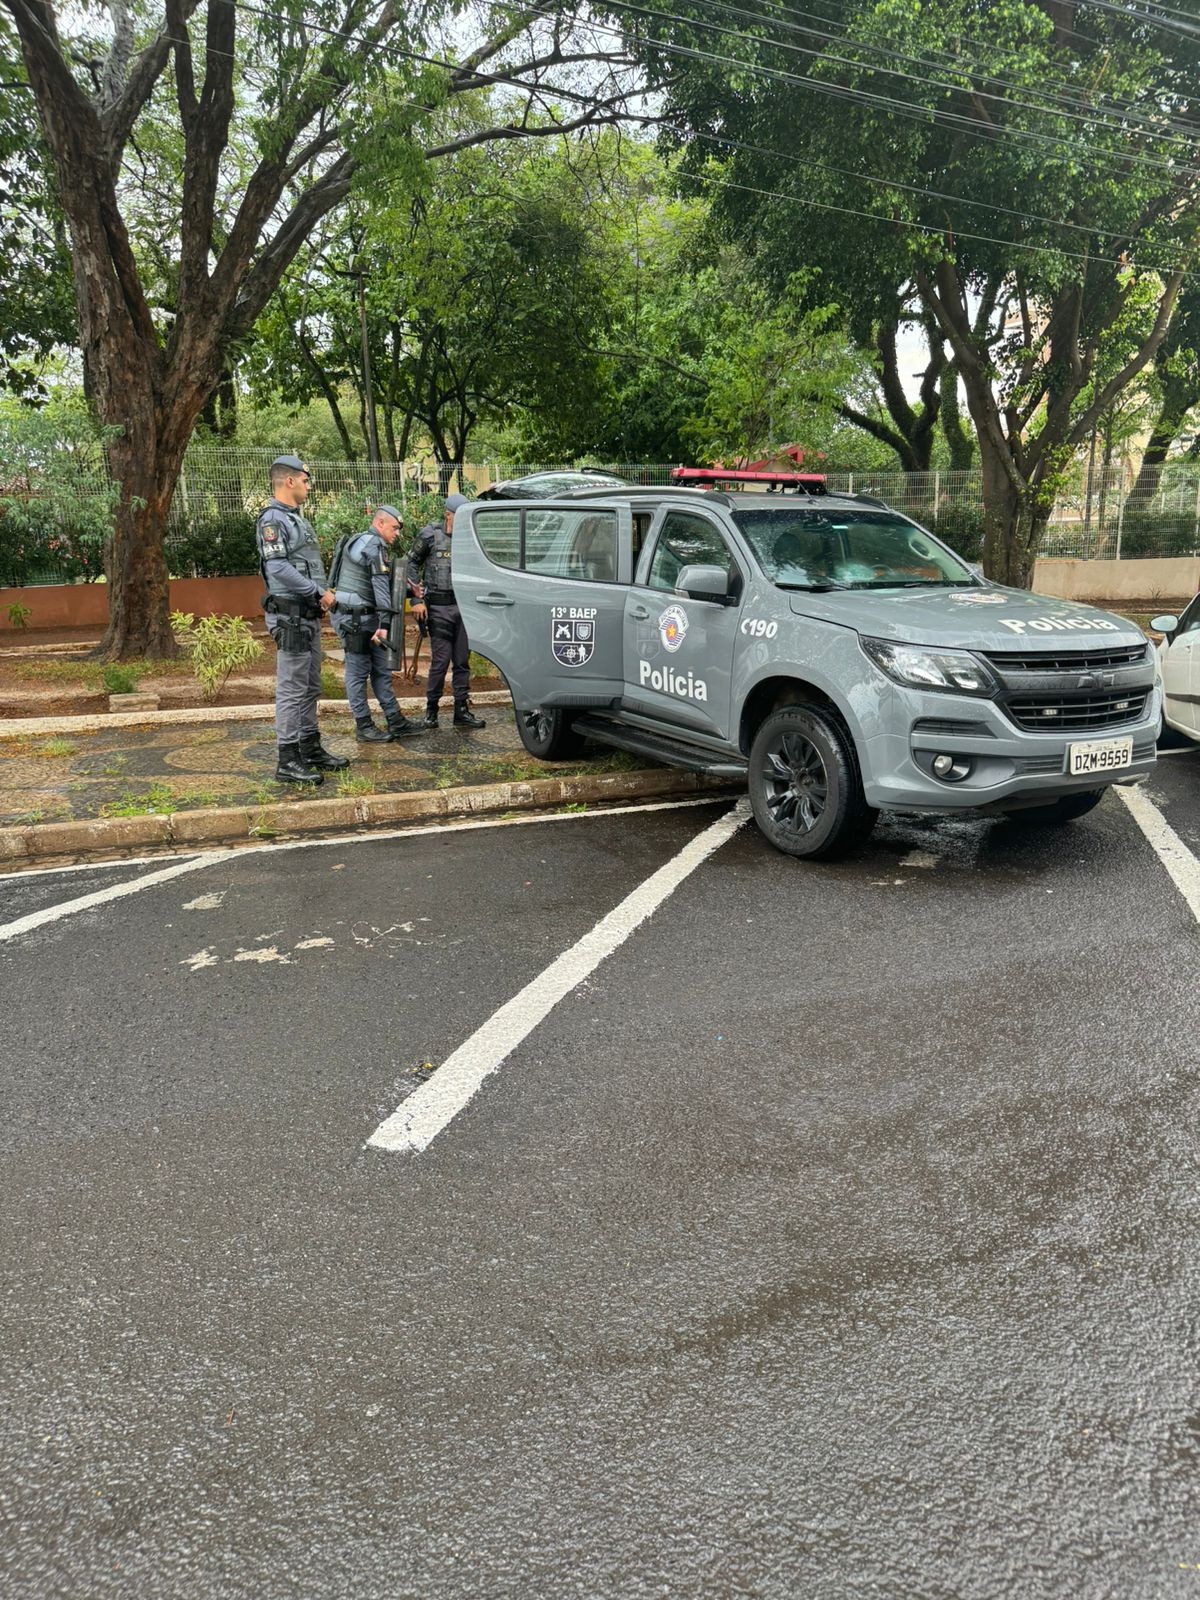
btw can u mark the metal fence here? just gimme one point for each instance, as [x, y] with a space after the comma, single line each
[211, 526]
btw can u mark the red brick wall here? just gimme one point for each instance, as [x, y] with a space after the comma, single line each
[85, 605]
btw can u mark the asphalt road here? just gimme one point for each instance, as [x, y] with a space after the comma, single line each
[834, 1237]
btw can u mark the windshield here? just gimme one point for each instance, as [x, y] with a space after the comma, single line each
[801, 548]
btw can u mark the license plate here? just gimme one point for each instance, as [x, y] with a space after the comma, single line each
[1099, 755]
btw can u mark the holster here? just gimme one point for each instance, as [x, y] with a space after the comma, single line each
[292, 637]
[275, 605]
[357, 641]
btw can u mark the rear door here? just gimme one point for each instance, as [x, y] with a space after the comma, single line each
[679, 651]
[542, 590]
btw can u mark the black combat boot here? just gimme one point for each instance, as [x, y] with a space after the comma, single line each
[431, 714]
[366, 732]
[315, 753]
[293, 768]
[401, 727]
[464, 717]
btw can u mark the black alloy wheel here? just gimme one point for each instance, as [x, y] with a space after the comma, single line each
[547, 733]
[805, 788]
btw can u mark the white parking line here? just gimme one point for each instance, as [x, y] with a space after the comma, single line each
[420, 1118]
[210, 858]
[1166, 844]
[100, 897]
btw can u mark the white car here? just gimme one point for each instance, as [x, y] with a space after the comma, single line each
[1179, 664]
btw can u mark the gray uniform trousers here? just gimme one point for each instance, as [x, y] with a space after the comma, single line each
[374, 669]
[297, 685]
[448, 644]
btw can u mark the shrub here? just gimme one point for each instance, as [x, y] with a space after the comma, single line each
[18, 616]
[215, 647]
[332, 686]
[121, 679]
[219, 545]
[1150, 533]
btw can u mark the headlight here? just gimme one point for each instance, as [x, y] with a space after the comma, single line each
[955, 671]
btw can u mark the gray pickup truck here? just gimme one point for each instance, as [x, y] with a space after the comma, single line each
[826, 648]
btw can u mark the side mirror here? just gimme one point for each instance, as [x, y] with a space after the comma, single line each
[700, 582]
[1164, 624]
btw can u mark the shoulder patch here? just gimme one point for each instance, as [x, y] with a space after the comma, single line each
[270, 533]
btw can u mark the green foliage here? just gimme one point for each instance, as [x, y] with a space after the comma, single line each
[1151, 533]
[18, 616]
[332, 684]
[160, 800]
[216, 647]
[121, 678]
[56, 500]
[218, 545]
[351, 783]
[960, 525]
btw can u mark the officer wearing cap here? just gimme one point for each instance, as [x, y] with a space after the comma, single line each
[297, 594]
[429, 577]
[361, 577]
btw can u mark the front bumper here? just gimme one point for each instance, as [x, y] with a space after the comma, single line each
[1009, 767]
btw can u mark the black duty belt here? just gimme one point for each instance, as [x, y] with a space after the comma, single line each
[440, 597]
[307, 610]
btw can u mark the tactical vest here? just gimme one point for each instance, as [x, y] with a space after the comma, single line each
[354, 576]
[437, 565]
[296, 544]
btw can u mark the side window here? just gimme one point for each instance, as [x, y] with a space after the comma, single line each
[572, 544]
[499, 535]
[683, 541]
[1190, 620]
[641, 527]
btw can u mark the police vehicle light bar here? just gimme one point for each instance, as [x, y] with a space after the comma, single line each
[798, 482]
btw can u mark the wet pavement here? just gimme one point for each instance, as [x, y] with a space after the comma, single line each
[835, 1237]
[176, 767]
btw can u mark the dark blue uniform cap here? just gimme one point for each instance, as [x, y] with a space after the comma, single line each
[389, 511]
[453, 501]
[289, 464]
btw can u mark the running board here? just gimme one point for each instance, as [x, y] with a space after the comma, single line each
[674, 753]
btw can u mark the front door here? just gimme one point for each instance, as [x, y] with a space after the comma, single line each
[1181, 673]
[679, 651]
[546, 602]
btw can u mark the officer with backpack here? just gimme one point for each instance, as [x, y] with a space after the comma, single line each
[361, 578]
[297, 594]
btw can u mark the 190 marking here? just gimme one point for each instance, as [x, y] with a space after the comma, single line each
[759, 627]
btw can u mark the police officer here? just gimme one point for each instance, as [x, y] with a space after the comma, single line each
[362, 582]
[296, 596]
[429, 575]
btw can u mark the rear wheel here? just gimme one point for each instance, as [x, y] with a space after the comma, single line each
[548, 734]
[805, 789]
[1064, 810]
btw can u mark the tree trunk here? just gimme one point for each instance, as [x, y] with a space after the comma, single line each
[956, 433]
[139, 604]
[1014, 521]
[1162, 436]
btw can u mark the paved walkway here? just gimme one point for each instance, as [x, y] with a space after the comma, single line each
[130, 771]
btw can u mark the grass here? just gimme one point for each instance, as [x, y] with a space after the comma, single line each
[91, 674]
[54, 749]
[332, 686]
[352, 783]
[160, 800]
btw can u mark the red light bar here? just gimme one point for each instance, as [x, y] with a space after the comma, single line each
[814, 482]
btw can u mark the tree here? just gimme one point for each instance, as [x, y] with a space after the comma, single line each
[1026, 169]
[276, 115]
[1177, 382]
[479, 297]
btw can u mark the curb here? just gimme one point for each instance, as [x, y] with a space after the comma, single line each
[52, 841]
[97, 721]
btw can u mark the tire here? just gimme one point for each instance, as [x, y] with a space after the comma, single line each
[805, 788]
[1067, 809]
[548, 734]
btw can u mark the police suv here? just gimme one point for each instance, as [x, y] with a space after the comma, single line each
[826, 648]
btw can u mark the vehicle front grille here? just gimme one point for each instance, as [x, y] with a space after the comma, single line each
[948, 727]
[1126, 655]
[1054, 713]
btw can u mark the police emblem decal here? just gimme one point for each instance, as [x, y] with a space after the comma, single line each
[672, 627]
[572, 639]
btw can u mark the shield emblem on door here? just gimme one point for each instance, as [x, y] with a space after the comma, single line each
[572, 641]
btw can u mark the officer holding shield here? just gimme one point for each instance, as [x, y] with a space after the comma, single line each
[297, 594]
[429, 577]
[361, 578]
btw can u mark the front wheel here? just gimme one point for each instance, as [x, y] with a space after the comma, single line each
[1064, 810]
[805, 789]
[548, 734]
